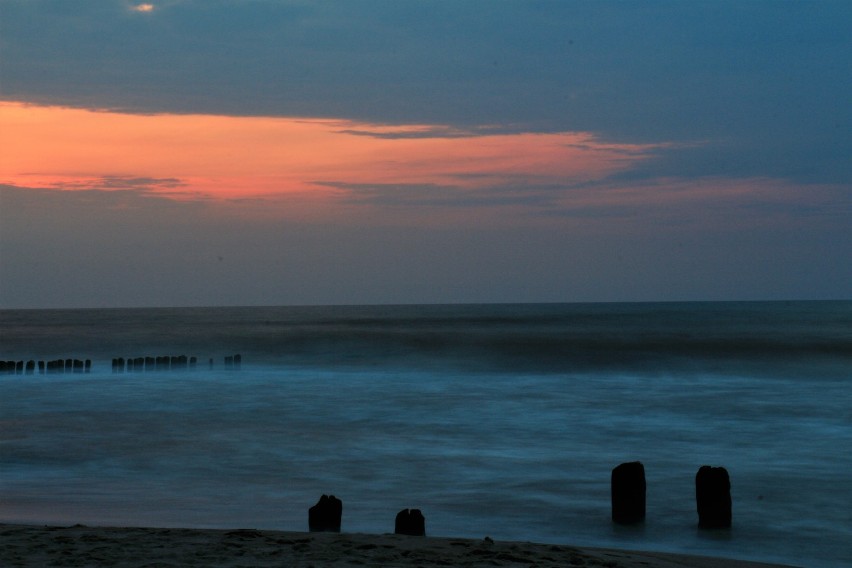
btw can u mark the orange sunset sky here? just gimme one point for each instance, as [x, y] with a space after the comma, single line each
[228, 157]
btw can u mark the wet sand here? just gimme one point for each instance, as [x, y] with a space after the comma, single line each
[29, 545]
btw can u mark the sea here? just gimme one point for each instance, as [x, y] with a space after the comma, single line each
[494, 420]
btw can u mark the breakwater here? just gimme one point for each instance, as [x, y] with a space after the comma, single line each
[144, 364]
[51, 367]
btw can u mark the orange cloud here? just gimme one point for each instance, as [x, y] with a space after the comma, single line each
[227, 157]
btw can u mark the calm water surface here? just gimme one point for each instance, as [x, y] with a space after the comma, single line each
[494, 420]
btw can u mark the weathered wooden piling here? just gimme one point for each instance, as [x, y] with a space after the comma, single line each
[229, 362]
[30, 367]
[628, 493]
[713, 497]
[326, 515]
[410, 522]
[193, 361]
[238, 361]
[41, 367]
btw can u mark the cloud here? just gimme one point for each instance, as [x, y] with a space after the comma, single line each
[143, 8]
[766, 85]
[407, 132]
[117, 182]
[224, 157]
[710, 205]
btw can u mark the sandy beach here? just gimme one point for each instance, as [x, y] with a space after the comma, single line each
[29, 545]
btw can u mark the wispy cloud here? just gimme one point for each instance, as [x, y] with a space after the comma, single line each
[112, 183]
[250, 157]
[143, 7]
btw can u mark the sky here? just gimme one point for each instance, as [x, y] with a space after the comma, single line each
[292, 152]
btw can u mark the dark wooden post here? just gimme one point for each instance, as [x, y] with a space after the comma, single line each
[410, 522]
[713, 497]
[326, 515]
[628, 493]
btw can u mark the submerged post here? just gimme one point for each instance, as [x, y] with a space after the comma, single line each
[326, 515]
[628, 493]
[410, 522]
[713, 497]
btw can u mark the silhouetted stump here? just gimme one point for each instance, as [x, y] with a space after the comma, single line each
[325, 516]
[229, 362]
[30, 368]
[410, 522]
[713, 496]
[19, 368]
[41, 367]
[628, 493]
[78, 366]
[87, 364]
[193, 361]
[69, 366]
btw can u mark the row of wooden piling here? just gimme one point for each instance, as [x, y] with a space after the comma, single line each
[119, 365]
[168, 363]
[50, 367]
[712, 494]
[326, 516]
[153, 364]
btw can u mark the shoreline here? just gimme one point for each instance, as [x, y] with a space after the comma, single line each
[79, 545]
